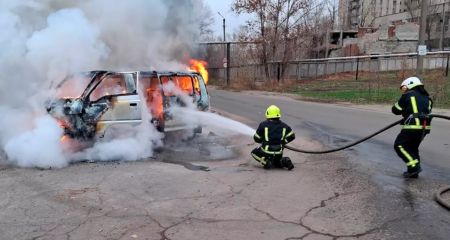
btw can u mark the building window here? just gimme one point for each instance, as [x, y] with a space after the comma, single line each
[394, 6]
[381, 7]
[447, 18]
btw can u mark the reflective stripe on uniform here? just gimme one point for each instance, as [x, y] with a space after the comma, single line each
[266, 134]
[259, 159]
[271, 152]
[411, 161]
[283, 134]
[415, 109]
[398, 106]
[266, 150]
[415, 127]
[257, 136]
[290, 134]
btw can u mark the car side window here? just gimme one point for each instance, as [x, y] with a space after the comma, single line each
[111, 85]
[184, 83]
[204, 100]
[168, 91]
[196, 87]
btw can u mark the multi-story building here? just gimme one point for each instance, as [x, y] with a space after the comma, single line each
[396, 11]
[378, 13]
[372, 13]
[355, 13]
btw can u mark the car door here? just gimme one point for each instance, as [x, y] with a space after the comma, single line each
[115, 101]
[202, 96]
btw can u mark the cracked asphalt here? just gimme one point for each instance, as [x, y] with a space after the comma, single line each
[210, 188]
[150, 199]
[234, 199]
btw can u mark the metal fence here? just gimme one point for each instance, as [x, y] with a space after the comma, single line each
[318, 68]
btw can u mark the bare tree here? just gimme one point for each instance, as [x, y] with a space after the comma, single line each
[258, 26]
[413, 6]
[273, 26]
[332, 9]
[367, 15]
[433, 17]
[205, 19]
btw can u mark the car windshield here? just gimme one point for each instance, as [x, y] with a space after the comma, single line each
[73, 85]
[112, 84]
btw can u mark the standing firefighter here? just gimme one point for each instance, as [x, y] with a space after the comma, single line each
[273, 134]
[414, 105]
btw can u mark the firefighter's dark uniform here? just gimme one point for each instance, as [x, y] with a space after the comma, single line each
[413, 106]
[273, 134]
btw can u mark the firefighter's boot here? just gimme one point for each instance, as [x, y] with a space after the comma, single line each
[268, 164]
[412, 173]
[287, 163]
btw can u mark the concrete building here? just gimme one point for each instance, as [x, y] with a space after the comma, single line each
[355, 13]
[382, 13]
[394, 12]
[404, 11]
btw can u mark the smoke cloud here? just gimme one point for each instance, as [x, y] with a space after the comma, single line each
[42, 41]
[188, 114]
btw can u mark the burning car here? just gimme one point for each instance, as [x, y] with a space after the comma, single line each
[112, 99]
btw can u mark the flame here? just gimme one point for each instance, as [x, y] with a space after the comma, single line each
[200, 67]
[64, 138]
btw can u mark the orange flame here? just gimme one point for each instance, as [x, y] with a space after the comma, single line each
[64, 138]
[200, 67]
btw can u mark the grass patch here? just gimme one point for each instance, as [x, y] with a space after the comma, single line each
[356, 96]
[376, 88]
[371, 88]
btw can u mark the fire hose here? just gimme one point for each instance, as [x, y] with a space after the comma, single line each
[362, 139]
[439, 199]
[438, 195]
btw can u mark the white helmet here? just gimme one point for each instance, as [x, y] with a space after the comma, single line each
[411, 82]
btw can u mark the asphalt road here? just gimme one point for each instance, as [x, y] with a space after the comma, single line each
[335, 125]
[210, 188]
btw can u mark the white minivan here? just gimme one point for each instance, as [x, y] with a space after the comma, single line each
[112, 98]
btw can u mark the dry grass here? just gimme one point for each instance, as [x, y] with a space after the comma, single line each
[381, 87]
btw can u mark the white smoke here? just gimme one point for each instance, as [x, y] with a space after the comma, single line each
[38, 147]
[62, 34]
[187, 113]
[215, 123]
[42, 41]
[125, 144]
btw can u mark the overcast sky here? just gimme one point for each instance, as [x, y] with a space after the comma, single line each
[232, 20]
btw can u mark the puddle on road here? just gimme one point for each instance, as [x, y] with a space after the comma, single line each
[188, 165]
[323, 135]
[204, 147]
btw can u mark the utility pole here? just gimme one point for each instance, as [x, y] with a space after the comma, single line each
[441, 42]
[327, 41]
[422, 33]
[223, 25]
[226, 53]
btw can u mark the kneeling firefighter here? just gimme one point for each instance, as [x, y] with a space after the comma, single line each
[273, 134]
[414, 105]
